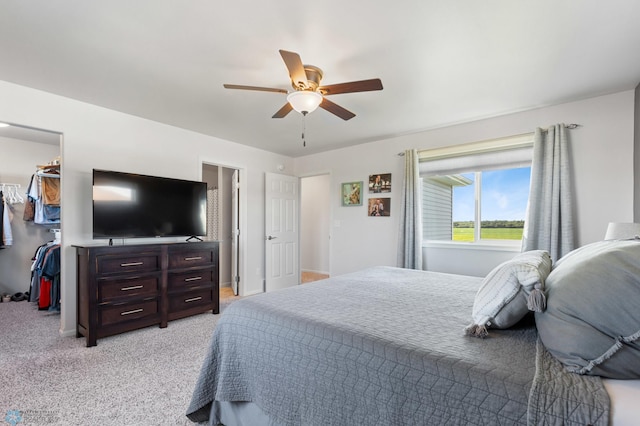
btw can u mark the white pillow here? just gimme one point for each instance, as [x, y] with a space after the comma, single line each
[509, 291]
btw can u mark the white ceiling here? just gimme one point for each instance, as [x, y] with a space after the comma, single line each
[441, 62]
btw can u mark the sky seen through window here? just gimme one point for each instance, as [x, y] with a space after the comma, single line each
[504, 195]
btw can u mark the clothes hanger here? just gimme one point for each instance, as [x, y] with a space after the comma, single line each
[12, 194]
[16, 193]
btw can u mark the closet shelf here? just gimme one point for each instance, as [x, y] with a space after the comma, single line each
[49, 170]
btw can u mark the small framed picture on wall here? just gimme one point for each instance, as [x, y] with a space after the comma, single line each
[380, 182]
[351, 193]
[379, 207]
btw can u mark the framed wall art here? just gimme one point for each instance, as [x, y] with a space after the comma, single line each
[351, 193]
[380, 182]
[379, 207]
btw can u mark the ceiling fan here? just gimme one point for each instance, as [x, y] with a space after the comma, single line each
[308, 94]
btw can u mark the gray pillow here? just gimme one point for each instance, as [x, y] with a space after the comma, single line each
[501, 300]
[592, 320]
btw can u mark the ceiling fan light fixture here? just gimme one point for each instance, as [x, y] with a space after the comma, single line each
[304, 101]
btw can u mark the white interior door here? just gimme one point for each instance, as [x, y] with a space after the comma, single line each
[235, 231]
[282, 201]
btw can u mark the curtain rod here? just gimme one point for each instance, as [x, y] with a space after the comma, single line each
[569, 126]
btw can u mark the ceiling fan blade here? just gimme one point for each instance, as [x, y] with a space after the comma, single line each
[261, 89]
[296, 68]
[282, 112]
[354, 86]
[336, 109]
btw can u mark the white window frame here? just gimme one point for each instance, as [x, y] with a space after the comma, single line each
[473, 158]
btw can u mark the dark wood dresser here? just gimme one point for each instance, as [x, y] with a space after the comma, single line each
[123, 288]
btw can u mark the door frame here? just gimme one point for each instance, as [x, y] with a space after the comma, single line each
[242, 219]
[235, 229]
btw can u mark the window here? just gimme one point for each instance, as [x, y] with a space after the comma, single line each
[476, 192]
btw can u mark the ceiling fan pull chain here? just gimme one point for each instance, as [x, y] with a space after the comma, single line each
[304, 130]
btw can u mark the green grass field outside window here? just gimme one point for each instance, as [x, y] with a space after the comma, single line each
[466, 234]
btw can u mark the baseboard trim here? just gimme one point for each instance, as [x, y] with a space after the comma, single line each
[67, 333]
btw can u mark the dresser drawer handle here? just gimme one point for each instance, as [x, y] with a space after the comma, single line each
[134, 311]
[193, 299]
[192, 279]
[131, 264]
[133, 287]
[193, 258]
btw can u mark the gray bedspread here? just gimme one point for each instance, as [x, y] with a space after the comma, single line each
[558, 397]
[384, 346]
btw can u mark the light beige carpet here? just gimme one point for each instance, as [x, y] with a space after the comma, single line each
[144, 377]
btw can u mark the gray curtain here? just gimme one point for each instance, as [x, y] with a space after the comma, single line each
[410, 236]
[549, 219]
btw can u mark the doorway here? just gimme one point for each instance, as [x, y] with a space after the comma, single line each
[27, 151]
[223, 223]
[315, 230]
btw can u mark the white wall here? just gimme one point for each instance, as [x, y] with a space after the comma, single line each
[314, 227]
[602, 150]
[18, 160]
[96, 137]
[358, 240]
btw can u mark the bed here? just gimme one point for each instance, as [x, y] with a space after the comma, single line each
[386, 346]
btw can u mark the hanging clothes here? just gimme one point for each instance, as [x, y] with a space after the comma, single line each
[44, 213]
[7, 235]
[51, 191]
[1, 220]
[5, 223]
[45, 277]
[8, 195]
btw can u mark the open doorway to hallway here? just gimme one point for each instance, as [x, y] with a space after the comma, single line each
[315, 227]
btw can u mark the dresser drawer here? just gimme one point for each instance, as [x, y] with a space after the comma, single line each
[190, 279]
[128, 312]
[188, 258]
[127, 264]
[138, 287]
[190, 299]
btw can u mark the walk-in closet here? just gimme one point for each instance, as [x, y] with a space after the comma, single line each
[30, 183]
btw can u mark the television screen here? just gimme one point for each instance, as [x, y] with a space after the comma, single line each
[127, 205]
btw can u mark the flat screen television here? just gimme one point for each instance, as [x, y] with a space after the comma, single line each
[128, 205]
